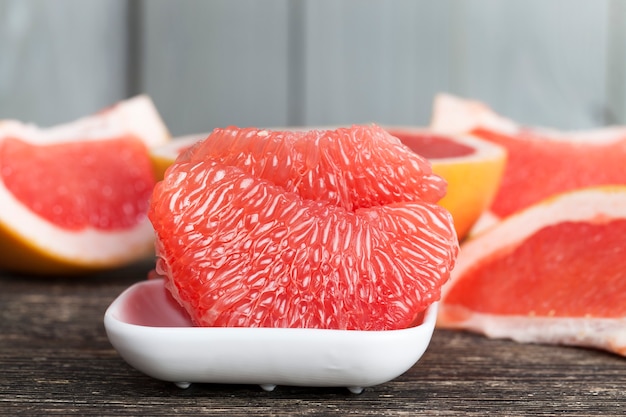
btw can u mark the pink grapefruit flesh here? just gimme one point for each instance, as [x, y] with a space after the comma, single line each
[318, 229]
[85, 190]
[551, 273]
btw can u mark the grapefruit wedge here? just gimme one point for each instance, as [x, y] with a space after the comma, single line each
[541, 162]
[74, 197]
[334, 229]
[553, 273]
[164, 155]
[472, 168]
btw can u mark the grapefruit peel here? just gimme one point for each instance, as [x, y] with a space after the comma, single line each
[563, 160]
[473, 176]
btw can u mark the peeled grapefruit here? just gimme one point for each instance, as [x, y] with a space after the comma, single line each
[472, 168]
[541, 162]
[74, 197]
[552, 273]
[314, 229]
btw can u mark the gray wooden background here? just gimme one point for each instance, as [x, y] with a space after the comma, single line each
[556, 63]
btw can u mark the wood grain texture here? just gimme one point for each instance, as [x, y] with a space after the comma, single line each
[55, 359]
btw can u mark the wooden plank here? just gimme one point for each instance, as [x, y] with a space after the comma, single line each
[375, 61]
[60, 60]
[210, 64]
[541, 63]
[384, 61]
[215, 63]
[56, 360]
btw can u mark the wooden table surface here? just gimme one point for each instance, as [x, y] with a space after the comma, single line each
[55, 359]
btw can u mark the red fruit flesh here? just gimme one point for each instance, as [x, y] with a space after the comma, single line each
[292, 229]
[538, 167]
[105, 184]
[433, 146]
[551, 274]
[312, 164]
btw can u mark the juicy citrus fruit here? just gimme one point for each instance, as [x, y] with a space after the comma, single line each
[74, 197]
[552, 273]
[472, 168]
[541, 162]
[313, 229]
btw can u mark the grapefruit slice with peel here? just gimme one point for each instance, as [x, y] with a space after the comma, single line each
[472, 168]
[164, 155]
[541, 162]
[74, 197]
[311, 229]
[553, 273]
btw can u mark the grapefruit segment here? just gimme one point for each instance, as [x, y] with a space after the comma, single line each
[471, 167]
[74, 197]
[259, 228]
[541, 162]
[310, 163]
[552, 273]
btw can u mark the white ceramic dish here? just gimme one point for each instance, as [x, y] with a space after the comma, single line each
[154, 335]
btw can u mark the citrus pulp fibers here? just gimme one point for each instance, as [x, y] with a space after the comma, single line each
[319, 229]
[471, 167]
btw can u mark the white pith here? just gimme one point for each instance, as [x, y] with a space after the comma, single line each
[600, 333]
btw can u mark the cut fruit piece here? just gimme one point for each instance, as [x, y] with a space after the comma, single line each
[554, 273]
[471, 166]
[163, 156]
[541, 162]
[311, 229]
[74, 197]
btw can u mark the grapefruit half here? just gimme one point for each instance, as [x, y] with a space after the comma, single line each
[552, 273]
[472, 168]
[312, 229]
[541, 162]
[74, 197]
